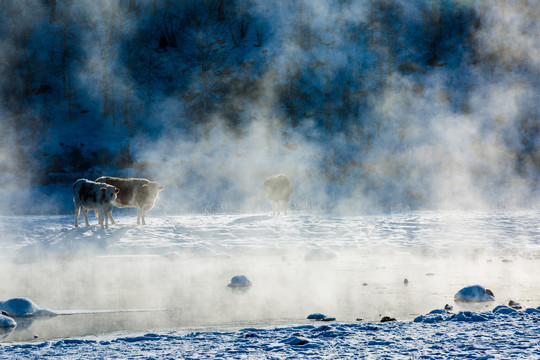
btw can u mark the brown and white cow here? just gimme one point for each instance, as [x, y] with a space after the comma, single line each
[278, 188]
[91, 195]
[139, 193]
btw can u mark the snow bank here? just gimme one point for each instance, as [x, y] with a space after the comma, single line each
[503, 309]
[468, 316]
[439, 315]
[462, 335]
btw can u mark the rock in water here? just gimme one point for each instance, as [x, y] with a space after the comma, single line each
[475, 293]
[240, 283]
[6, 321]
[23, 307]
[7, 325]
[239, 280]
[19, 307]
[514, 305]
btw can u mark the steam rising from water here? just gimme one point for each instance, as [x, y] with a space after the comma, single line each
[228, 170]
[192, 290]
[430, 151]
[344, 266]
[432, 148]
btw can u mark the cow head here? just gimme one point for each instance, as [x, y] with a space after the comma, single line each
[108, 194]
[267, 187]
[154, 188]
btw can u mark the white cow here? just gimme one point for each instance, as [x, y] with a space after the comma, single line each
[278, 188]
[139, 193]
[93, 196]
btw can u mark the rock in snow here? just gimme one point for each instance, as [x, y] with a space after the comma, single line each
[474, 293]
[316, 316]
[320, 317]
[23, 307]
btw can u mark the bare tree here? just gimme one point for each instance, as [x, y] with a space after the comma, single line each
[67, 24]
[22, 72]
[52, 17]
[206, 44]
[106, 26]
[388, 34]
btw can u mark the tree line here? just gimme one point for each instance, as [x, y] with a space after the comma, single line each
[112, 61]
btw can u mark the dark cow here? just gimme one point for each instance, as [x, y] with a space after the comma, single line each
[278, 188]
[139, 193]
[94, 196]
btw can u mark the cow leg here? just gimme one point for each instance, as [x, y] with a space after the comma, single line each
[142, 217]
[110, 217]
[77, 211]
[85, 215]
[138, 216]
[106, 219]
[100, 218]
[285, 207]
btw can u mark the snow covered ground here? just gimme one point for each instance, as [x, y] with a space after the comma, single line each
[161, 291]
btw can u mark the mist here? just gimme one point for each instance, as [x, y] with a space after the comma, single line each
[364, 105]
[435, 147]
[175, 273]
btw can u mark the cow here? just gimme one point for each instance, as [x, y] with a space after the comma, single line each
[278, 188]
[139, 193]
[94, 196]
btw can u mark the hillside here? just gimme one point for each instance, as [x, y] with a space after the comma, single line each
[372, 104]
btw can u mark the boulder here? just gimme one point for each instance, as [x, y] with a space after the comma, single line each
[475, 293]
